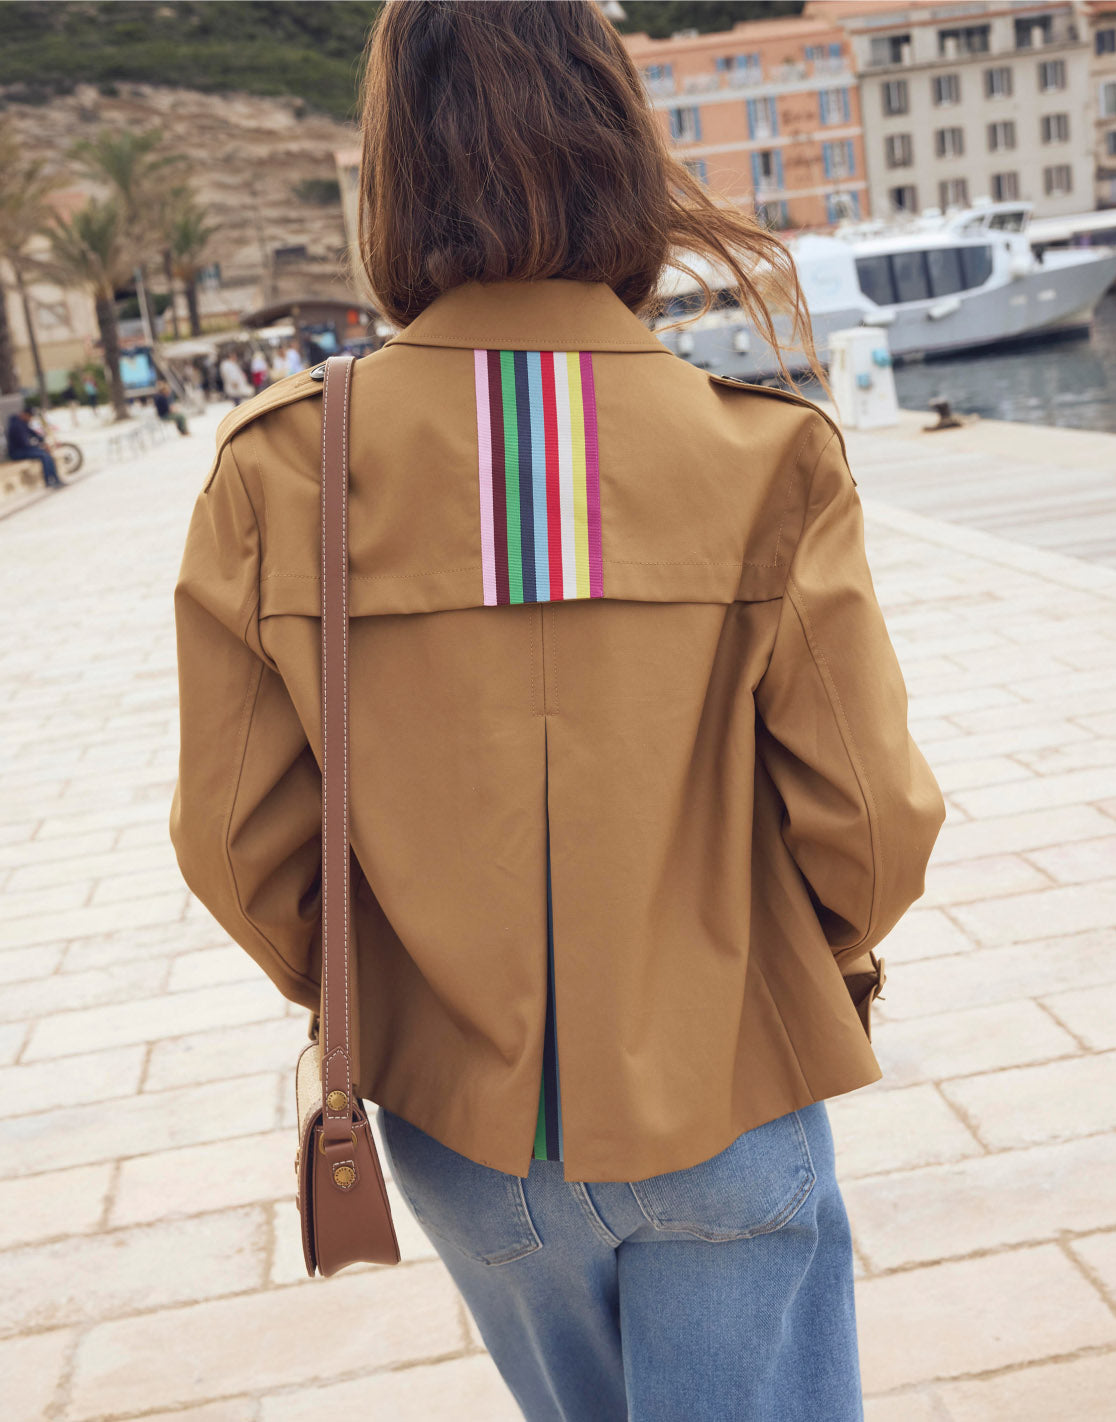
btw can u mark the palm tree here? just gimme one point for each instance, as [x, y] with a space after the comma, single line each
[9, 160]
[187, 238]
[135, 170]
[25, 212]
[140, 175]
[91, 250]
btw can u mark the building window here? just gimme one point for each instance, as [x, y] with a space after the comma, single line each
[826, 58]
[967, 39]
[698, 167]
[1106, 41]
[1005, 187]
[1025, 31]
[1055, 128]
[947, 89]
[833, 106]
[895, 97]
[888, 49]
[839, 159]
[685, 125]
[767, 170]
[1052, 75]
[773, 214]
[740, 68]
[898, 150]
[1058, 180]
[839, 206]
[953, 192]
[1001, 135]
[949, 142]
[903, 199]
[763, 120]
[1110, 143]
[659, 78]
[997, 83]
[1108, 99]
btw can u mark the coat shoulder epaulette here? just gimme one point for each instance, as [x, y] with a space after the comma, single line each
[735, 383]
[283, 392]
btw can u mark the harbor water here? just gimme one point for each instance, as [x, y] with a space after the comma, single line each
[1069, 382]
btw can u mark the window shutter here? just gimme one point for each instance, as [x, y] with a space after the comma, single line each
[779, 170]
[827, 159]
[751, 117]
[821, 106]
[845, 111]
[773, 110]
[755, 172]
[850, 158]
[697, 122]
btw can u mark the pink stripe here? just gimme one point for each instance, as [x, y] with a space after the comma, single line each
[484, 451]
[592, 476]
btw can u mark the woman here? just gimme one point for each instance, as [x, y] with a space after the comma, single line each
[633, 792]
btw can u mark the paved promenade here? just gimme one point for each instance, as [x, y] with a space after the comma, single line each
[149, 1256]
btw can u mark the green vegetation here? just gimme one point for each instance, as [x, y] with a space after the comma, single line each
[319, 192]
[661, 18]
[311, 52]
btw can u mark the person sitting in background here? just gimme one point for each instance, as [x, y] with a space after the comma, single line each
[164, 400]
[24, 442]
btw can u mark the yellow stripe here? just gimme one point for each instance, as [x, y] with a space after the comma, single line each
[580, 499]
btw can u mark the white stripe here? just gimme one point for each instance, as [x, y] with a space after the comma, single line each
[565, 473]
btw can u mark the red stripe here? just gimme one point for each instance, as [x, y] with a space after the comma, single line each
[499, 476]
[553, 497]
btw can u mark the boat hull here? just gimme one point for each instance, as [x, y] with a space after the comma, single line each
[1050, 302]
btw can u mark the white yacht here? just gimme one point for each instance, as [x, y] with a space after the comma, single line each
[940, 283]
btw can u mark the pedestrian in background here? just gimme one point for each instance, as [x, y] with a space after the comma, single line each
[277, 366]
[633, 792]
[294, 360]
[164, 403]
[234, 382]
[25, 442]
[257, 369]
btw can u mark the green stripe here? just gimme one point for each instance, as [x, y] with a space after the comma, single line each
[511, 477]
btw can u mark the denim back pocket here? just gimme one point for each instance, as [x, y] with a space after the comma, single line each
[480, 1211]
[754, 1186]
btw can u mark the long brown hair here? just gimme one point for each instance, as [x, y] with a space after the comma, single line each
[513, 140]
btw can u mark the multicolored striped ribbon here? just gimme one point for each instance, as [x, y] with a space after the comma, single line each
[540, 487]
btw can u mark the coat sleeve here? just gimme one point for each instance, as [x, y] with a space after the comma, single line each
[246, 816]
[862, 809]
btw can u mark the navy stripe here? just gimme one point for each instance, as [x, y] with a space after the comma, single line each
[526, 477]
[550, 1043]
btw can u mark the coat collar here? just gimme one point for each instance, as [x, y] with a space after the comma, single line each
[554, 313]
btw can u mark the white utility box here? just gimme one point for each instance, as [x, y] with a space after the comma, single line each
[861, 378]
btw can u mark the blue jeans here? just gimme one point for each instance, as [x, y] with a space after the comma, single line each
[46, 459]
[721, 1293]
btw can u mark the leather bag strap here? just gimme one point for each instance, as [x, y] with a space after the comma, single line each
[337, 967]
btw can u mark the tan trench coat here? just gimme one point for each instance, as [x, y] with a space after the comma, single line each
[737, 812]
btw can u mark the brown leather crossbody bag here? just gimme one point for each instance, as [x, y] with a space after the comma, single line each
[342, 1199]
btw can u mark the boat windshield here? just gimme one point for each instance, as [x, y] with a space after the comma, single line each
[689, 303]
[891, 278]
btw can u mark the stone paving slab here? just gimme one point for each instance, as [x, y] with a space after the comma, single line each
[149, 1255]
